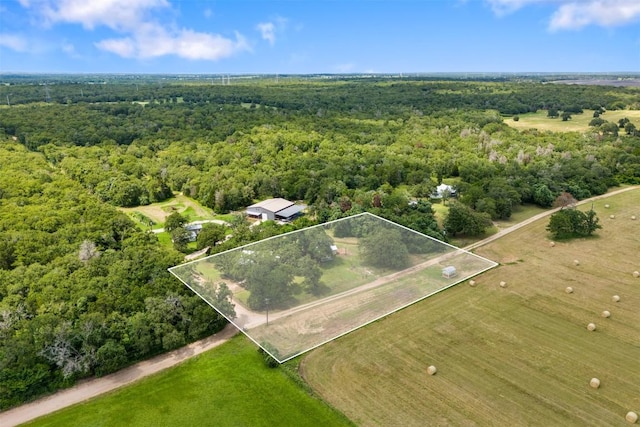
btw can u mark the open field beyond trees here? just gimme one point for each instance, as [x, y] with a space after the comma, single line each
[577, 123]
[158, 212]
[519, 355]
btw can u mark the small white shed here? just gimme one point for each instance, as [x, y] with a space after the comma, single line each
[449, 272]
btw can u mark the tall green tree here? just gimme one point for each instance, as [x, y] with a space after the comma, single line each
[384, 248]
[210, 235]
[173, 221]
[570, 222]
[461, 219]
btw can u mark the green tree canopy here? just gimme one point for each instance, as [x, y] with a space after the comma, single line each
[210, 235]
[174, 221]
[385, 249]
[461, 219]
[568, 223]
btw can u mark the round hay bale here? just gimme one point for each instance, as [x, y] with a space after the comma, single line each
[632, 417]
[615, 298]
[591, 326]
[568, 290]
[431, 370]
[594, 383]
[472, 283]
[612, 216]
[576, 262]
[503, 284]
[606, 206]
[633, 217]
[636, 274]
[552, 244]
[606, 313]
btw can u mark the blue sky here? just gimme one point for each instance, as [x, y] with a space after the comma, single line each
[301, 37]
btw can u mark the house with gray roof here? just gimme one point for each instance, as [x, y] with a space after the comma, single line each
[275, 209]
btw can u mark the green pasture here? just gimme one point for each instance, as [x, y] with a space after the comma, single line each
[227, 386]
[577, 123]
[514, 355]
[158, 212]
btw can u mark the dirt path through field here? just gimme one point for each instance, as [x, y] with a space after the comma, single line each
[541, 215]
[87, 389]
[94, 387]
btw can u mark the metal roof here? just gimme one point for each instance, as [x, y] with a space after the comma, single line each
[290, 211]
[272, 205]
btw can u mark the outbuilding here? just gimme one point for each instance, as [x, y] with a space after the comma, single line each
[449, 272]
[275, 209]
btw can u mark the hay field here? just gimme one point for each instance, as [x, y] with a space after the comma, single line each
[520, 355]
[578, 122]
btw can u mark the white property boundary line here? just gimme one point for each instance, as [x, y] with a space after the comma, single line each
[391, 312]
[454, 251]
[97, 386]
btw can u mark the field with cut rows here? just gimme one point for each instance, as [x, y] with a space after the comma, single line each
[514, 355]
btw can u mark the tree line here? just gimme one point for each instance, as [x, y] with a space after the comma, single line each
[83, 292]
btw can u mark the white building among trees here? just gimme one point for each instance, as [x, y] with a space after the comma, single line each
[275, 209]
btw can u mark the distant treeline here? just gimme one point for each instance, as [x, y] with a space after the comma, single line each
[366, 96]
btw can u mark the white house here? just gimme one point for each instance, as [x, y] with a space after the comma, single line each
[442, 190]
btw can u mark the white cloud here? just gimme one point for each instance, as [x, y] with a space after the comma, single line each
[143, 36]
[125, 47]
[154, 41]
[503, 7]
[575, 14]
[14, 42]
[115, 14]
[268, 31]
[604, 13]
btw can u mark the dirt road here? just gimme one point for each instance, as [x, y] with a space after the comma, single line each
[87, 389]
[94, 387]
[541, 215]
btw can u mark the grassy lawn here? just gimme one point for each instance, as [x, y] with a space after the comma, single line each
[158, 212]
[519, 355]
[224, 217]
[165, 239]
[440, 211]
[578, 122]
[519, 214]
[227, 386]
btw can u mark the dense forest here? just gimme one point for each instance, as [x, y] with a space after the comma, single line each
[84, 292]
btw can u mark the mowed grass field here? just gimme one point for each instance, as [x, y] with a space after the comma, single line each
[158, 212]
[577, 123]
[227, 386]
[519, 355]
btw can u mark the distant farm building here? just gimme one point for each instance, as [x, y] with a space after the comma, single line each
[193, 229]
[275, 209]
[444, 190]
[449, 272]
